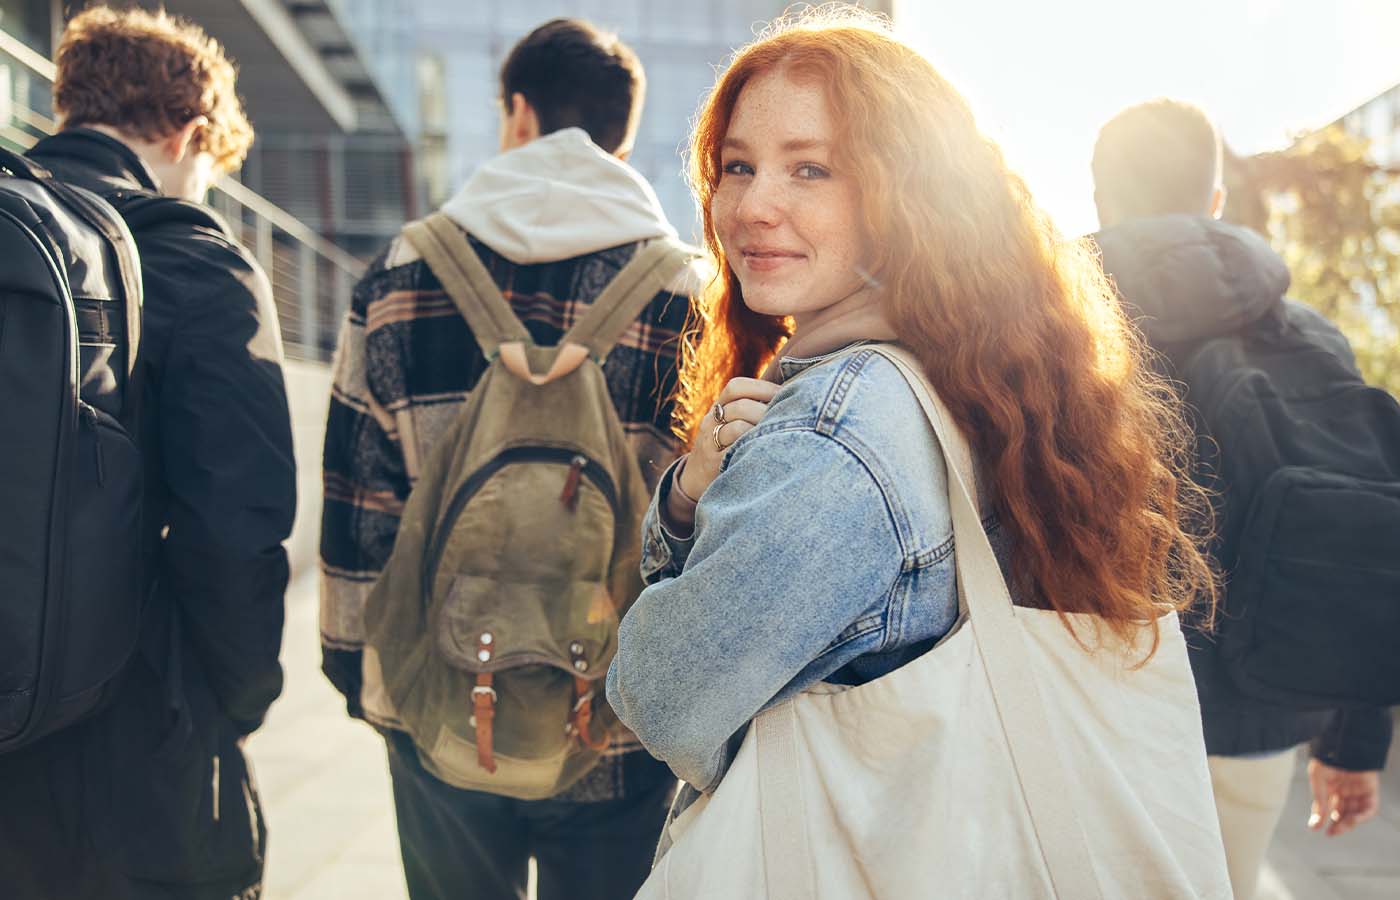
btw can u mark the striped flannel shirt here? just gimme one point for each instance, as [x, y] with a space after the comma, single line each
[404, 365]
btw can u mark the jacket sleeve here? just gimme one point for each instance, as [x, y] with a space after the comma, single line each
[793, 543]
[228, 466]
[1357, 740]
[365, 482]
[663, 552]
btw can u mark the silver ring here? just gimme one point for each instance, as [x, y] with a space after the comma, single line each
[721, 446]
[718, 413]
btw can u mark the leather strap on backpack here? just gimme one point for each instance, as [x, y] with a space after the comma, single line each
[582, 718]
[484, 714]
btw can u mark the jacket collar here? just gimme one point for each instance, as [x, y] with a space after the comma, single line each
[792, 366]
[113, 161]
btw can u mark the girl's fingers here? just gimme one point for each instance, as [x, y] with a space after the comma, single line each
[731, 431]
[748, 388]
[744, 410]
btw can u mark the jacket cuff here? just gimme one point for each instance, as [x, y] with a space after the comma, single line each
[1357, 740]
[342, 669]
[663, 552]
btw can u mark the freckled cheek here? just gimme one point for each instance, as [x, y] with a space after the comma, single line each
[722, 210]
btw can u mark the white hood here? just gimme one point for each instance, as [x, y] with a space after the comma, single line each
[557, 197]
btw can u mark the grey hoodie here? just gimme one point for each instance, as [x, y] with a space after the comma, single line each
[557, 197]
[1186, 278]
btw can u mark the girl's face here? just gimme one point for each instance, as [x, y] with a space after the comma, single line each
[787, 215]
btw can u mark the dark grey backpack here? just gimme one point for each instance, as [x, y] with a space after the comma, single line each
[70, 471]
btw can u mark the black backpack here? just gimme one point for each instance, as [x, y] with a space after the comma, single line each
[71, 594]
[1306, 459]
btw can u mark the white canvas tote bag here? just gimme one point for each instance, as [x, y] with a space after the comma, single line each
[1008, 762]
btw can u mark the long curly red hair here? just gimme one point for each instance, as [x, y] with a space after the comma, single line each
[1017, 328]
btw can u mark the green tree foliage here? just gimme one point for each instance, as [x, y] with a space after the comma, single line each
[1334, 215]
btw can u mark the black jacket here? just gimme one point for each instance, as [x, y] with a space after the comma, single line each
[1186, 280]
[167, 799]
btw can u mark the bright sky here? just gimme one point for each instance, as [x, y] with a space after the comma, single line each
[1043, 75]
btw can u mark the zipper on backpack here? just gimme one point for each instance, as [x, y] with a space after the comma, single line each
[90, 417]
[586, 468]
[570, 495]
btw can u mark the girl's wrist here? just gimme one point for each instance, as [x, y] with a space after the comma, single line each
[679, 486]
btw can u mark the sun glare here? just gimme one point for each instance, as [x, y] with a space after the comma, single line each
[1042, 77]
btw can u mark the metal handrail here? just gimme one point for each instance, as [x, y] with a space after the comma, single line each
[266, 216]
[289, 223]
[32, 60]
[258, 204]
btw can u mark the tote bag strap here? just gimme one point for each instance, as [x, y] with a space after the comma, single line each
[1045, 780]
[787, 855]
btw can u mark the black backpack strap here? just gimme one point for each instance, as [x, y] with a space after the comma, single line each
[144, 210]
[100, 217]
[24, 167]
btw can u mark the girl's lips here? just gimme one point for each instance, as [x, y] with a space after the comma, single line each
[768, 262]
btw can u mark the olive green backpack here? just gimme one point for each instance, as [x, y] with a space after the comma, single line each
[496, 617]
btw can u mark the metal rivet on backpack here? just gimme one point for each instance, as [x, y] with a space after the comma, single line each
[486, 638]
[581, 665]
[576, 648]
[483, 654]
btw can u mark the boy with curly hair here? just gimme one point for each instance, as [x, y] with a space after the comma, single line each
[152, 797]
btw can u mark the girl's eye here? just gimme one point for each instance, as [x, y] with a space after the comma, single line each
[811, 170]
[737, 168]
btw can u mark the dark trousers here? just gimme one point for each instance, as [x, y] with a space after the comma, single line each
[466, 845]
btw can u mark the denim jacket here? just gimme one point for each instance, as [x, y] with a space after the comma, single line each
[823, 551]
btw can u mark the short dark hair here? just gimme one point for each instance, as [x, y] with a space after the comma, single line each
[1158, 157]
[576, 75]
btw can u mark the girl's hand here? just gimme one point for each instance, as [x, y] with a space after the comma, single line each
[741, 404]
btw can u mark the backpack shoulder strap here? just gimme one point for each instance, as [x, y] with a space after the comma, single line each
[651, 270]
[99, 215]
[113, 228]
[144, 210]
[449, 254]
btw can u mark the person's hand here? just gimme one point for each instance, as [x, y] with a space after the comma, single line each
[1342, 799]
[742, 403]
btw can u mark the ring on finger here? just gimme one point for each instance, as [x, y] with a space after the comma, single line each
[720, 445]
[718, 412]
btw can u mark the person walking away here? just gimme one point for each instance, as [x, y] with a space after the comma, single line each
[154, 797]
[1209, 298]
[503, 401]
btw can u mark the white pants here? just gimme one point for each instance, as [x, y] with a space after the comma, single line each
[1249, 797]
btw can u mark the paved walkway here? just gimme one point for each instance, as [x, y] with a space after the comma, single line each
[325, 786]
[322, 776]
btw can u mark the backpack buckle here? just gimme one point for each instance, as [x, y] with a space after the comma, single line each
[482, 690]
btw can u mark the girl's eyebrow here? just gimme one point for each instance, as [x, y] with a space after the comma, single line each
[793, 146]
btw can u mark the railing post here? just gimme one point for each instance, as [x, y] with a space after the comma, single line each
[263, 236]
[307, 301]
[344, 285]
